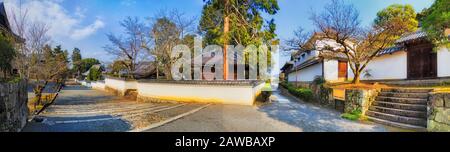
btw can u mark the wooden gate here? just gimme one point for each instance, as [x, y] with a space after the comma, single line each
[343, 70]
[422, 61]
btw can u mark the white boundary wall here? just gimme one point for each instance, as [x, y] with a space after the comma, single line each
[307, 74]
[443, 59]
[120, 85]
[207, 93]
[99, 85]
[386, 67]
[331, 70]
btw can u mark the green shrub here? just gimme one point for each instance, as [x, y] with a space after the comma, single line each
[94, 74]
[302, 93]
[354, 115]
[319, 80]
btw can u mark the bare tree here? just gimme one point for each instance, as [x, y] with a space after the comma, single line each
[299, 41]
[168, 30]
[339, 22]
[129, 48]
[36, 60]
[50, 65]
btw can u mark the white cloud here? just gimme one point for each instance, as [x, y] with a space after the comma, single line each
[86, 31]
[128, 2]
[62, 24]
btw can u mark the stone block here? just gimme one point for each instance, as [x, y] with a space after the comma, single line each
[437, 100]
[443, 116]
[447, 100]
[2, 106]
[13, 113]
[434, 126]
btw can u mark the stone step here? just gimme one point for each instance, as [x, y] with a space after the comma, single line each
[397, 124]
[400, 112]
[405, 95]
[394, 105]
[397, 118]
[402, 90]
[402, 100]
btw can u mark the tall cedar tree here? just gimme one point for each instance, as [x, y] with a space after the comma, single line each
[246, 24]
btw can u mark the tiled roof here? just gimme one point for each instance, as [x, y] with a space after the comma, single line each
[412, 36]
[390, 50]
[308, 63]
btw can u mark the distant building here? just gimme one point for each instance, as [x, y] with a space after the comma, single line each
[412, 58]
[306, 65]
[94, 67]
[6, 27]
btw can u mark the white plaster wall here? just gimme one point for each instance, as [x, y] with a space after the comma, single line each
[115, 84]
[308, 74]
[130, 85]
[98, 85]
[292, 76]
[443, 65]
[331, 70]
[240, 95]
[120, 85]
[386, 67]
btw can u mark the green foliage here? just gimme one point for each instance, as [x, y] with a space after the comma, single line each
[354, 115]
[116, 67]
[302, 93]
[435, 20]
[405, 13]
[87, 63]
[247, 25]
[319, 81]
[400, 17]
[7, 54]
[94, 74]
[76, 60]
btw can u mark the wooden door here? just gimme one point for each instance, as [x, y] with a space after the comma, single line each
[342, 70]
[422, 62]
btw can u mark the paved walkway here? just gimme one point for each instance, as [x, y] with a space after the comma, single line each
[80, 109]
[284, 115]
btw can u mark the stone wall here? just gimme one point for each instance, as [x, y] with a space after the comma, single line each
[323, 95]
[13, 106]
[359, 99]
[439, 112]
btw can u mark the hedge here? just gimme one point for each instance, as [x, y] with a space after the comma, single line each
[302, 93]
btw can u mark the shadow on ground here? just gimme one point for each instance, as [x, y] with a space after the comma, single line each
[311, 118]
[49, 125]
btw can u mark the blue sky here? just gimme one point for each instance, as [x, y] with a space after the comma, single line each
[84, 23]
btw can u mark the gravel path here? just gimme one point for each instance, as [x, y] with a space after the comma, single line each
[80, 109]
[284, 115]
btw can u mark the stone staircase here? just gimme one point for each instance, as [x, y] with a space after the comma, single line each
[403, 108]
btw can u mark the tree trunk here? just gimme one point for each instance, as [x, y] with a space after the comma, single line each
[356, 79]
[168, 72]
[157, 72]
[226, 29]
[38, 93]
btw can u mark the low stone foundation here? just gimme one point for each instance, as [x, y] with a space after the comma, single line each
[323, 95]
[13, 106]
[360, 99]
[114, 91]
[439, 112]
